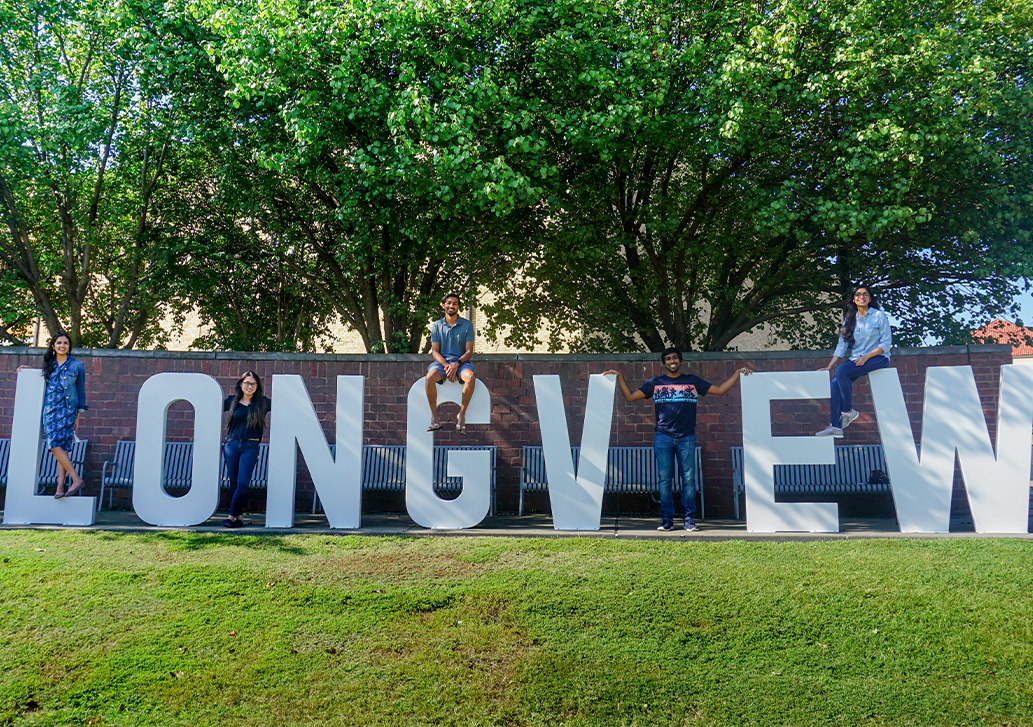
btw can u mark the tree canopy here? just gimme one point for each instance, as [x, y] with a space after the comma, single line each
[631, 175]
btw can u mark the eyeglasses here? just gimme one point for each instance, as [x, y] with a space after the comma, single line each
[862, 295]
[248, 383]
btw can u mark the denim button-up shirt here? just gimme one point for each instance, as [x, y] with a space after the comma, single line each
[75, 384]
[871, 332]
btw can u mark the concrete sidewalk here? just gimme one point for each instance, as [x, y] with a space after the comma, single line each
[534, 526]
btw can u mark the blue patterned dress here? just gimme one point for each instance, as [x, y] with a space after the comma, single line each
[58, 417]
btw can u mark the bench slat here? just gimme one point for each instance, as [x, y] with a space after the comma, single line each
[383, 469]
[47, 463]
[629, 470]
[849, 475]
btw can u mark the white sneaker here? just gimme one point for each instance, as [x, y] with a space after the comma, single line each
[847, 418]
[830, 431]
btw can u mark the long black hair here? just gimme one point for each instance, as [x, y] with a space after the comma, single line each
[256, 409]
[50, 356]
[850, 317]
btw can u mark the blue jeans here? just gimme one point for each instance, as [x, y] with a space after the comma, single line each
[241, 458]
[846, 374]
[666, 448]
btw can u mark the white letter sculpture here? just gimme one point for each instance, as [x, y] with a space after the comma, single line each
[762, 451]
[577, 501]
[952, 419]
[337, 479]
[24, 506]
[423, 504]
[150, 501]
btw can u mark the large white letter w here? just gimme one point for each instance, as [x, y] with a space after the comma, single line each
[997, 485]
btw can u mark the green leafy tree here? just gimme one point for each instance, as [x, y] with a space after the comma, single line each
[242, 269]
[401, 155]
[732, 165]
[94, 126]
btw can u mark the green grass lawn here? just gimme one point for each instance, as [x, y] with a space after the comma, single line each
[192, 629]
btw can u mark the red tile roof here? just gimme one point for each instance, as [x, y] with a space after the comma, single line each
[1002, 331]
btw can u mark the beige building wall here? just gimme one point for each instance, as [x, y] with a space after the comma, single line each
[347, 340]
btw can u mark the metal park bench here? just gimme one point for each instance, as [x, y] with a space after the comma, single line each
[177, 469]
[383, 470]
[628, 470]
[47, 465]
[848, 476]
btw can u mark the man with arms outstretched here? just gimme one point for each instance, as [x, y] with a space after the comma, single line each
[674, 397]
[451, 345]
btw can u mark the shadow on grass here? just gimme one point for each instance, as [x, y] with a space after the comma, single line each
[187, 541]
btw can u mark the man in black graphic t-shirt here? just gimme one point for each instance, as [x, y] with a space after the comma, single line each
[674, 398]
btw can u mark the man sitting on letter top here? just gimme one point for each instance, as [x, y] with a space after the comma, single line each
[451, 345]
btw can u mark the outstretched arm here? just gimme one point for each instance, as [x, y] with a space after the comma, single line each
[629, 395]
[722, 389]
[831, 365]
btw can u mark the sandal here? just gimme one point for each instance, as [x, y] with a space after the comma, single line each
[461, 428]
[434, 427]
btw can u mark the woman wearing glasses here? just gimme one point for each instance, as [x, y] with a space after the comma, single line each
[247, 406]
[866, 332]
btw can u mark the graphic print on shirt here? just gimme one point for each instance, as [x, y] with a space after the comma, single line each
[674, 393]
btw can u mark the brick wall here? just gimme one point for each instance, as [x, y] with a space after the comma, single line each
[114, 379]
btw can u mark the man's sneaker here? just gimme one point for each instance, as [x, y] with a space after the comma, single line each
[690, 524]
[848, 418]
[830, 431]
[666, 525]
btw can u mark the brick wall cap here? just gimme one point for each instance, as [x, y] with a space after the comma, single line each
[689, 356]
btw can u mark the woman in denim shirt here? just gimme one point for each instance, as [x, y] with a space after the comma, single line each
[866, 332]
[63, 402]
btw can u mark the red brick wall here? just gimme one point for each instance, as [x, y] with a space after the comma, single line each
[114, 379]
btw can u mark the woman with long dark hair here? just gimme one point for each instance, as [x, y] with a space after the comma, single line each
[866, 333]
[247, 406]
[63, 402]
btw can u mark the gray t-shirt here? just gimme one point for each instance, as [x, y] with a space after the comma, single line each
[453, 339]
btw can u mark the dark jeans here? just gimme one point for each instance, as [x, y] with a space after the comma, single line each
[665, 449]
[241, 458]
[846, 374]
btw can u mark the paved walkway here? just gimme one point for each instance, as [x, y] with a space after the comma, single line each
[539, 526]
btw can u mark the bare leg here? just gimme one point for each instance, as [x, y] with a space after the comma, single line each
[468, 378]
[64, 464]
[60, 481]
[432, 397]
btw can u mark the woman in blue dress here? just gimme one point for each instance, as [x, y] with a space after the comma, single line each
[63, 402]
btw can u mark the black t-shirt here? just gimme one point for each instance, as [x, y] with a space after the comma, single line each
[238, 428]
[675, 402]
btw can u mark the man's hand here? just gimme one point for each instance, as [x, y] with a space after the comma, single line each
[451, 370]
